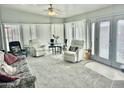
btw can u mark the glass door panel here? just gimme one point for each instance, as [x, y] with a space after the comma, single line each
[120, 42]
[109, 41]
[104, 39]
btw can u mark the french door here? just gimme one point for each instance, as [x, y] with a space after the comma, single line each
[101, 40]
[118, 41]
[107, 38]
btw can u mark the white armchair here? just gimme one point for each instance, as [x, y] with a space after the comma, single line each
[36, 48]
[76, 54]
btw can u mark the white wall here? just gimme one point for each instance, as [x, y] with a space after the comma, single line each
[10, 15]
[109, 11]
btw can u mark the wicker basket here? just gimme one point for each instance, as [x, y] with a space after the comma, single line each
[87, 55]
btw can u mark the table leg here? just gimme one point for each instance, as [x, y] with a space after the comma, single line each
[52, 50]
[55, 50]
[60, 50]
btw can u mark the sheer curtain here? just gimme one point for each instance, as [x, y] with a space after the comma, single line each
[68, 33]
[1, 38]
[79, 30]
[43, 33]
[88, 35]
[33, 33]
[76, 31]
[58, 30]
[29, 32]
[12, 33]
[26, 34]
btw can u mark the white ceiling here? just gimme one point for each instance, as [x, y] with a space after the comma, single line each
[67, 10]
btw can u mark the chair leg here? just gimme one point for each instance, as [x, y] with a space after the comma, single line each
[60, 50]
[55, 50]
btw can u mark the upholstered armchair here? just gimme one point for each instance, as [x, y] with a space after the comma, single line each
[36, 48]
[75, 52]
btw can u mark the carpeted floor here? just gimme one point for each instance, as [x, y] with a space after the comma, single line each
[107, 71]
[52, 72]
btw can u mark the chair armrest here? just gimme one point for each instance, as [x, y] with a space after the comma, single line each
[70, 53]
[80, 53]
[79, 49]
[2, 50]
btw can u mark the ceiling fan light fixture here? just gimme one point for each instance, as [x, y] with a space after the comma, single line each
[51, 13]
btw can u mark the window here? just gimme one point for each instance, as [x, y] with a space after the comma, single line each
[12, 33]
[120, 41]
[104, 39]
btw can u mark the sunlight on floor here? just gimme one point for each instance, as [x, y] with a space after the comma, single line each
[106, 71]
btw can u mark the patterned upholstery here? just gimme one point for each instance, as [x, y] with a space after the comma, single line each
[26, 80]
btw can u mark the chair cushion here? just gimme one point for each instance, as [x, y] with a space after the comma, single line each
[5, 78]
[9, 58]
[69, 53]
[16, 49]
[73, 49]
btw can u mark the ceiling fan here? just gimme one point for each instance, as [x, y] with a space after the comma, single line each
[52, 11]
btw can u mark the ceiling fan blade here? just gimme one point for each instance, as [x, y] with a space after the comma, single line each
[58, 10]
[51, 8]
[45, 10]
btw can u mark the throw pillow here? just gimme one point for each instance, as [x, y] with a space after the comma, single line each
[8, 69]
[22, 57]
[5, 78]
[70, 48]
[1, 56]
[76, 48]
[10, 59]
[73, 49]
